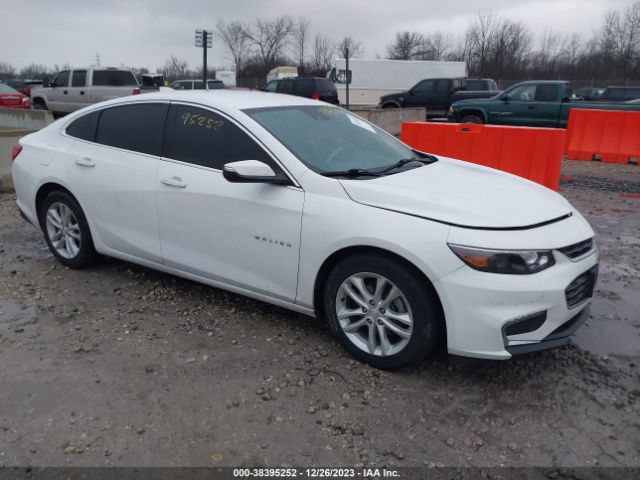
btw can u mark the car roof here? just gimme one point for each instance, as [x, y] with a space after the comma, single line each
[225, 100]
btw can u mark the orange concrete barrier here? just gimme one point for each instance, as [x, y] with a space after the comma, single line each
[607, 135]
[532, 153]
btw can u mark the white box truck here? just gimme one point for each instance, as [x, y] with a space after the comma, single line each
[279, 73]
[371, 79]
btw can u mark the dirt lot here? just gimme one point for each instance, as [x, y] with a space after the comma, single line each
[120, 365]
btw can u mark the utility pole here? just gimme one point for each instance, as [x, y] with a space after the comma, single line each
[346, 74]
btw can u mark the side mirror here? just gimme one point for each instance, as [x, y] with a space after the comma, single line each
[505, 98]
[45, 82]
[252, 171]
[566, 99]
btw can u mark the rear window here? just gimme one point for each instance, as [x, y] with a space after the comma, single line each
[114, 78]
[614, 93]
[136, 127]
[84, 127]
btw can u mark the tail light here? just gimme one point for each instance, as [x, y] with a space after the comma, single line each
[15, 151]
[136, 91]
[315, 96]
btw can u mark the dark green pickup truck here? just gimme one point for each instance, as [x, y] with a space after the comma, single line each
[530, 104]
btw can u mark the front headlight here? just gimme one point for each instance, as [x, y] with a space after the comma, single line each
[513, 262]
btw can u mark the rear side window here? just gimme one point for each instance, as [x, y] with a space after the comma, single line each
[201, 137]
[198, 85]
[305, 86]
[114, 78]
[79, 78]
[84, 127]
[136, 127]
[547, 93]
[324, 85]
[614, 93]
[285, 86]
[632, 93]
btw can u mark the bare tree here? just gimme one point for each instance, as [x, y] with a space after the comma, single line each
[269, 38]
[406, 46]
[437, 46]
[322, 54]
[34, 71]
[349, 47]
[301, 33]
[233, 37]
[6, 70]
[174, 68]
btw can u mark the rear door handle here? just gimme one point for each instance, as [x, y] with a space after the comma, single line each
[173, 182]
[85, 162]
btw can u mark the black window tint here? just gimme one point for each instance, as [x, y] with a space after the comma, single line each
[204, 138]
[305, 86]
[632, 93]
[62, 80]
[285, 86]
[84, 127]
[114, 78]
[78, 79]
[198, 85]
[425, 87]
[475, 85]
[546, 93]
[133, 127]
[325, 85]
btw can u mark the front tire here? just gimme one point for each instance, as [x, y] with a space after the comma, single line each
[382, 312]
[66, 230]
[471, 119]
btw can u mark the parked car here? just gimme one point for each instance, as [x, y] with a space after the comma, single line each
[308, 206]
[11, 98]
[589, 93]
[532, 104]
[437, 94]
[317, 88]
[23, 86]
[151, 82]
[77, 88]
[196, 85]
[620, 94]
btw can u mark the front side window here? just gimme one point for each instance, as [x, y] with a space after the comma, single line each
[136, 127]
[204, 138]
[425, 87]
[114, 78]
[62, 80]
[523, 93]
[84, 127]
[79, 78]
[285, 86]
[271, 86]
[340, 139]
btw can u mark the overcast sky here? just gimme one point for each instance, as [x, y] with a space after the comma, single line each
[143, 33]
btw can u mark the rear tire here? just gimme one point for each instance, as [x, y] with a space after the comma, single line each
[471, 119]
[39, 105]
[66, 230]
[393, 323]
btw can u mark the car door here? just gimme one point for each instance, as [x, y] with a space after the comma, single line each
[113, 171]
[285, 86]
[442, 90]
[58, 94]
[515, 107]
[546, 109]
[78, 97]
[242, 234]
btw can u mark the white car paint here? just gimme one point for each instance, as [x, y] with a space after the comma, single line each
[270, 241]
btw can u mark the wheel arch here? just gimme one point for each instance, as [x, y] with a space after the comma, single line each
[391, 104]
[39, 99]
[44, 190]
[472, 111]
[339, 255]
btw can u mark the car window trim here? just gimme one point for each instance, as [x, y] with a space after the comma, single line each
[237, 124]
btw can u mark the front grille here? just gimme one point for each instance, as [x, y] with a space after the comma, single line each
[581, 288]
[577, 249]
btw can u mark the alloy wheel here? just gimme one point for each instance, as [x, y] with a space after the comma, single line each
[63, 230]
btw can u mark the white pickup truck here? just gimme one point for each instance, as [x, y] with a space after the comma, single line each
[74, 89]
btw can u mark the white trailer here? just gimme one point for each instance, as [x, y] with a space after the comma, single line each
[371, 79]
[228, 77]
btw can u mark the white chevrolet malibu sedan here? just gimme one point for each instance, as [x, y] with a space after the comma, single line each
[307, 206]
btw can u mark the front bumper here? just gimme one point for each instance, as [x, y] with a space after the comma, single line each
[480, 306]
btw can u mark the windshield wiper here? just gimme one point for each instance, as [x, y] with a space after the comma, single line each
[352, 172]
[402, 162]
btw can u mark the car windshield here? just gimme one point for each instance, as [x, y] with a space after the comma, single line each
[330, 139]
[4, 88]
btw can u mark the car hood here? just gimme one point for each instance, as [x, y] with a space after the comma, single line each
[462, 194]
[393, 96]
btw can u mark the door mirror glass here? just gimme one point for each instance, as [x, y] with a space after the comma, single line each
[251, 171]
[505, 98]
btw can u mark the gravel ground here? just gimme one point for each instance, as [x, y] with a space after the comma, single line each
[120, 365]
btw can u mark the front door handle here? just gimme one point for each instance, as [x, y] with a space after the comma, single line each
[173, 182]
[81, 92]
[65, 92]
[85, 162]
